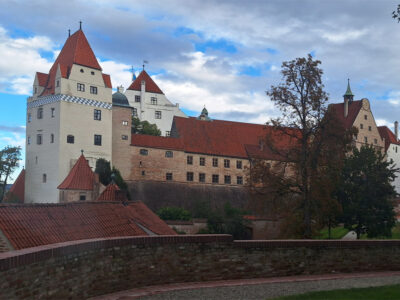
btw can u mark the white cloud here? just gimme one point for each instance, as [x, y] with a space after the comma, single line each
[344, 36]
[120, 74]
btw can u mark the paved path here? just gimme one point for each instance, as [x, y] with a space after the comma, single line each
[262, 288]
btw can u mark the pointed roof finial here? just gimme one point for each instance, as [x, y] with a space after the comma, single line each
[69, 32]
[144, 63]
[348, 91]
[82, 151]
[80, 25]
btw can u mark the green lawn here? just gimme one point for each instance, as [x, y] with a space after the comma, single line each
[376, 293]
[336, 233]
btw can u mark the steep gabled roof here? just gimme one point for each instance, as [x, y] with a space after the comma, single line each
[31, 225]
[42, 78]
[151, 86]
[107, 80]
[354, 109]
[112, 193]
[81, 176]
[388, 135]
[76, 50]
[17, 189]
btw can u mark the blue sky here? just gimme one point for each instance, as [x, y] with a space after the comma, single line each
[221, 54]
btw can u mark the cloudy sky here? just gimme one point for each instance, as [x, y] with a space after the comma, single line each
[222, 54]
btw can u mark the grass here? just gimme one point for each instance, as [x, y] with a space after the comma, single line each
[390, 292]
[336, 233]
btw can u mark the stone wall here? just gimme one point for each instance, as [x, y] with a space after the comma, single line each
[80, 269]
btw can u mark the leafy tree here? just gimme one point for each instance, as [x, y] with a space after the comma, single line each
[293, 182]
[9, 161]
[396, 13]
[366, 192]
[120, 182]
[144, 127]
[103, 168]
[174, 213]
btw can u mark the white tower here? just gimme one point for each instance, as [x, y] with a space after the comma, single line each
[70, 111]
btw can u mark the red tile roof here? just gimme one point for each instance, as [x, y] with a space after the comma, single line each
[354, 109]
[17, 190]
[112, 193]
[156, 142]
[76, 50]
[107, 80]
[388, 135]
[81, 176]
[30, 225]
[42, 78]
[151, 86]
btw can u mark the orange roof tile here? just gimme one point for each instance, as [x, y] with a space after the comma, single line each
[76, 50]
[151, 86]
[81, 176]
[31, 225]
[107, 80]
[388, 135]
[17, 189]
[42, 78]
[354, 109]
[112, 193]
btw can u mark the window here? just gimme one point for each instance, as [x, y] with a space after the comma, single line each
[52, 138]
[215, 178]
[365, 117]
[29, 140]
[361, 126]
[80, 87]
[227, 179]
[168, 176]
[97, 114]
[125, 123]
[157, 114]
[39, 139]
[134, 112]
[40, 113]
[396, 149]
[70, 139]
[124, 137]
[169, 154]
[215, 162]
[375, 141]
[189, 160]
[143, 173]
[82, 71]
[36, 159]
[167, 133]
[93, 90]
[143, 152]
[202, 177]
[35, 90]
[189, 176]
[202, 161]
[239, 180]
[97, 139]
[153, 101]
[238, 164]
[369, 128]
[82, 197]
[227, 163]
[53, 112]
[29, 117]
[92, 72]
[137, 98]
[365, 139]
[44, 178]
[58, 83]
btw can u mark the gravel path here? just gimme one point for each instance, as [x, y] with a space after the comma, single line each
[257, 289]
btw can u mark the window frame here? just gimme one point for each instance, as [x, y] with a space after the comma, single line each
[239, 164]
[153, 100]
[70, 139]
[40, 112]
[202, 161]
[227, 179]
[97, 114]
[169, 154]
[80, 87]
[137, 99]
[52, 138]
[189, 160]
[202, 177]
[215, 162]
[227, 163]
[44, 178]
[157, 115]
[124, 137]
[134, 112]
[169, 176]
[29, 117]
[215, 178]
[239, 180]
[97, 140]
[93, 90]
[39, 139]
[144, 152]
[189, 176]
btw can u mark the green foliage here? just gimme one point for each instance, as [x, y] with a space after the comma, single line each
[9, 161]
[336, 233]
[144, 127]
[371, 293]
[120, 182]
[365, 192]
[174, 213]
[103, 168]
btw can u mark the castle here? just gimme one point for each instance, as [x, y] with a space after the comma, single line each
[72, 109]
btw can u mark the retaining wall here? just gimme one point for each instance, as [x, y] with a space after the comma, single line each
[81, 269]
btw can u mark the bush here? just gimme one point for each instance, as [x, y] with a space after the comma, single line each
[174, 213]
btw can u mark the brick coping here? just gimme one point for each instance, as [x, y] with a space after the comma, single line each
[158, 289]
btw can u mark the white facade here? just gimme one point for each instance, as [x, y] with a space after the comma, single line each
[62, 124]
[393, 153]
[154, 108]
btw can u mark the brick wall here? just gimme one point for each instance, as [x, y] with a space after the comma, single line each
[87, 268]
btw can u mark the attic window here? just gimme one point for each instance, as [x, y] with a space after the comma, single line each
[82, 71]
[92, 73]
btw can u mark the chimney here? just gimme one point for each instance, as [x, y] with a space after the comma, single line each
[120, 89]
[396, 130]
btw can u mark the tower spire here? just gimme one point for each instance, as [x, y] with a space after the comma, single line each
[349, 94]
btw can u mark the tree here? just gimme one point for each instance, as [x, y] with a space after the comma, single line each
[396, 13]
[314, 144]
[120, 182]
[103, 168]
[144, 127]
[9, 161]
[366, 192]
[174, 213]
